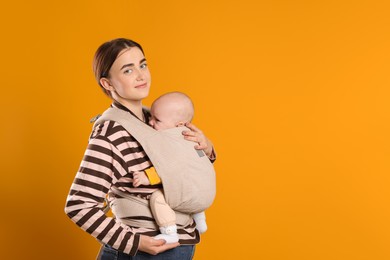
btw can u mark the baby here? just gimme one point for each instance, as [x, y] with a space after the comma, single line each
[168, 111]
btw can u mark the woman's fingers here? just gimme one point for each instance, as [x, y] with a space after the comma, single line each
[165, 247]
[154, 246]
[197, 136]
[193, 127]
[202, 143]
[190, 133]
[159, 246]
[200, 146]
[190, 137]
[157, 242]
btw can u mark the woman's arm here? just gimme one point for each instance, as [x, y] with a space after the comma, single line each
[101, 167]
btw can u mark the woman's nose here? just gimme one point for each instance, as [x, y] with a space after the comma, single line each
[140, 75]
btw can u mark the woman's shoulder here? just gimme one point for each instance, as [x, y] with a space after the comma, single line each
[109, 129]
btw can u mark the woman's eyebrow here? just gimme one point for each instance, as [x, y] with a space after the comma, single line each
[132, 64]
[127, 65]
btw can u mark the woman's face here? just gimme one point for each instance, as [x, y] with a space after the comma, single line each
[129, 76]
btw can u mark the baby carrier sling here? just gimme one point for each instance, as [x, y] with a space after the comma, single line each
[187, 175]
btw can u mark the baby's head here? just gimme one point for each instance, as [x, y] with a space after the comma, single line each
[171, 110]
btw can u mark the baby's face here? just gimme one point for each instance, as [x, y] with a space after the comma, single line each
[162, 118]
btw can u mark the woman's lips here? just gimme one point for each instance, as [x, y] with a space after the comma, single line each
[141, 86]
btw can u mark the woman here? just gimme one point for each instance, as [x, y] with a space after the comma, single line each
[113, 155]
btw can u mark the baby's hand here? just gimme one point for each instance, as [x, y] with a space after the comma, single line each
[139, 178]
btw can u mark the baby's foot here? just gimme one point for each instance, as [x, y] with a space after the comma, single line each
[140, 178]
[169, 234]
[200, 220]
[201, 226]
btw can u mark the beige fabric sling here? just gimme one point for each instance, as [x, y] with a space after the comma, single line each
[187, 175]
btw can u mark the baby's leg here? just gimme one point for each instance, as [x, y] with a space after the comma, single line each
[140, 178]
[165, 217]
[200, 220]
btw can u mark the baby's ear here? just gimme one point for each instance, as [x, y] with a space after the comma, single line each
[180, 124]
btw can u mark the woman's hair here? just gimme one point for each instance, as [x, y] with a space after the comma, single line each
[105, 56]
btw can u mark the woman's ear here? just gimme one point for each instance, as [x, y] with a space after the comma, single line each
[105, 82]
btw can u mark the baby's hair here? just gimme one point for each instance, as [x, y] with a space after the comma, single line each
[186, 113]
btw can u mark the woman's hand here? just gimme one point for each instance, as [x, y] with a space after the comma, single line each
[154, 246]
[197, 136]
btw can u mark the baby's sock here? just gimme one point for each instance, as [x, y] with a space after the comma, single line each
[169, 234]
[200, 220]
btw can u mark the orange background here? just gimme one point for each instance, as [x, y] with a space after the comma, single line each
[294, 95]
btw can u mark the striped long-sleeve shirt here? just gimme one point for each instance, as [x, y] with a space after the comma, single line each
[110, 159]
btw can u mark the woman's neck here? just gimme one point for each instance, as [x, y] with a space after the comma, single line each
[133, 106]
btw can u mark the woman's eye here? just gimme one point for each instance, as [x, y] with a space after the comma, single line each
[127, 71]
[144, 65]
